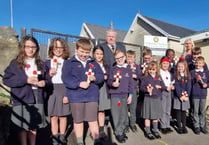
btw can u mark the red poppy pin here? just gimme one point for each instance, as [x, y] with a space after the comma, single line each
[55, 60]
[183, 82]
[34, 72]
[27, 65]
[91, 65]
[119, 71]
[118, 104]
[156, 78]
[166, 78]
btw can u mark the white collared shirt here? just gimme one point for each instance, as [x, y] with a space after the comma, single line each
[166, 77]
[83, 62]
[124, 65]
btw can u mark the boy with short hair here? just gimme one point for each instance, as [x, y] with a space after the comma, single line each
[81, 75]
[196, 52]
[147, 57]
[200, 83]
[121, 88]
[136, 76]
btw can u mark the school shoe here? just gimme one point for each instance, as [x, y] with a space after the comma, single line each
[179, 130]
[125, 136]
[80, 143]
[149, 136]
[156, 134]
[184, 130]
[63, 140]
[133, 128]
[197, 130]
[120, 138]
[164, 130]
[203, 130]
[169, 130]
[102, 135]
[126, 130]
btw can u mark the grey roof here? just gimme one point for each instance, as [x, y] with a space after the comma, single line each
[171, 28]
[99, 32]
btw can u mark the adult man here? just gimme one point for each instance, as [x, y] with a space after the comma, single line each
[110, 46]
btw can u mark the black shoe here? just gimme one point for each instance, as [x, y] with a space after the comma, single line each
[150, 136]
[120, 138]
[80, 144]
[102, 135]
[156, 134]
[179, 130]
[169, 130]
[133, 128]
[203, 130]
[124, 136]
[126, 130]
[164, 130]
[184, 130]
[197, 130]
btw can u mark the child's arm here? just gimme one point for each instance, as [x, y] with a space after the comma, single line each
[14, 76]
[68, 79]
[99, 76]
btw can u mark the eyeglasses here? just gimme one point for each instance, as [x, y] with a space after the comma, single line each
[28, 47]
[60, 48]
[119, 58]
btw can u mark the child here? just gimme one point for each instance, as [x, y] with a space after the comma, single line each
[170, 53]
[196, 52]
[152, 87]
[147, 57]
[104, 100]
[166, 95]
[58, 105]
[200, 83]
[82, 76]
[136, 75]
[27, 78]
[121, 88]
[181, 95]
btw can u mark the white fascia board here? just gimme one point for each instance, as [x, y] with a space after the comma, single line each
[196, 37]
[89, 32]
[158, 28]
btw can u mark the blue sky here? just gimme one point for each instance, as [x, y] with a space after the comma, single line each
[67, 16]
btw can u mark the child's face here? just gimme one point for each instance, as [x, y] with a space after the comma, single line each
[171, 55]
[147, 58]
[199, 64]
[98, 55]
[58, 49]
[120, 59]
[152, 71]
[180, 68]
[195, 56]
[165, 65]
[30, 49]
[130, 59]
[82, 54]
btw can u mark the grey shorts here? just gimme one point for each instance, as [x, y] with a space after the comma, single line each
[84, 111]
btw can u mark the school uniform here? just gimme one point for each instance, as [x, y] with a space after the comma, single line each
[74, 72]
[119, 96]
[104, 99]
[166, 99]
[136, 69]
[55, 101]
[180, 107]
[191, 66]
[152, 108]
[198, 95]
[28, 109]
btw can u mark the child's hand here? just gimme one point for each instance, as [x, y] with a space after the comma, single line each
[172, 87]
[115, 84]
[186, 98]
[52, 72]
[92, 78]
[41, 83]
[105, 77]
[32, 80]
[143, 71]
[84, 85]
[158, 87]
[197, 78]
[134, 76]
[65, 100]
[204, 85]
[129, 100]
[182, 98]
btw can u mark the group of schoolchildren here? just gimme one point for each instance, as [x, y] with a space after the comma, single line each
[87, 87]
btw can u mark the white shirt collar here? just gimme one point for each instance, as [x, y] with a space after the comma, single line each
[124, 65]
